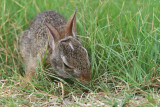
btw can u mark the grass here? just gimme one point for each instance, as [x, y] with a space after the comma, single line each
[121, 36]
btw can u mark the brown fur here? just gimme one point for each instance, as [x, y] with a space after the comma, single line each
[65, 53]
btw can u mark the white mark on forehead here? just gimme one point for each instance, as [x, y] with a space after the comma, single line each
[70, 44]
[64, 39]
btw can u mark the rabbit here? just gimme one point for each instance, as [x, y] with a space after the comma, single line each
[52, 35]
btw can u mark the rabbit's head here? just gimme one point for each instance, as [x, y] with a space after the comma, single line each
[68, 55]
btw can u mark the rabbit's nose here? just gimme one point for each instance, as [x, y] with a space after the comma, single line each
[85, 78]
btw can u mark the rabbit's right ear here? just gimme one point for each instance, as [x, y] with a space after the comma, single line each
[71, 26]
[53, 35]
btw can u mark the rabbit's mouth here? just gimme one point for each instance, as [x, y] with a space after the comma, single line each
[85, 78]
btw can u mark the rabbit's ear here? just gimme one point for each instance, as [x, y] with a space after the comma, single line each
[53, 35]
[71, 26]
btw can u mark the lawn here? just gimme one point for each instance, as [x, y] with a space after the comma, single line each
[122, 38]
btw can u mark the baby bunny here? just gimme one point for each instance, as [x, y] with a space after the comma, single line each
[51, 35]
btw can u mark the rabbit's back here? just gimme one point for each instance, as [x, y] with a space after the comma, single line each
[51, 17]
[33, 41]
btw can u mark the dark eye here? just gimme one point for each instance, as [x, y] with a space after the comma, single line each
[66, 66]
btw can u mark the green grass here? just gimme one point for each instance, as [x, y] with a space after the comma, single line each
[121, 36]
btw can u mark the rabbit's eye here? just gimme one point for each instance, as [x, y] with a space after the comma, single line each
[66, 66]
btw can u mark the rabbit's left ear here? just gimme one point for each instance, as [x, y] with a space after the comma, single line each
[71, 26]
[53, 35]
